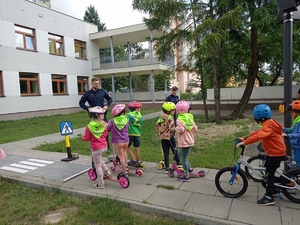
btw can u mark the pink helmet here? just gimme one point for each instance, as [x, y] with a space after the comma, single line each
[182, 107]
[135, 105]
[117, 109]
[97, 110]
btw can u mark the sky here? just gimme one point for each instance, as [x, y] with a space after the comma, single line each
[114, 13]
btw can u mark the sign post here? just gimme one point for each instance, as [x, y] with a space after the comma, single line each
[65, 130]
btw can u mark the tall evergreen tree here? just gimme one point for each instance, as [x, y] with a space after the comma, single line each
[91, 16]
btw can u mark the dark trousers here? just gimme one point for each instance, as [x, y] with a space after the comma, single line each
[173, 147]
[272, 163]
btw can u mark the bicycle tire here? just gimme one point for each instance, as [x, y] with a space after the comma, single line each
[255, 161]
[235, 190]
[292, 195]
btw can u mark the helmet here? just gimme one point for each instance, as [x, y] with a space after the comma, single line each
[262, 111]
[182, 107]
[97, 110]
[135, 105]
[168, 106]
[296, 105]
[117, 109]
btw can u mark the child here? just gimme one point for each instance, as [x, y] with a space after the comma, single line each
[186, 130]
[95, 133]
[164, 127]
[119, 128]
[134, 132]
[270, 136]
[293, 133]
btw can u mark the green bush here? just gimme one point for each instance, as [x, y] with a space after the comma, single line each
[191, 96]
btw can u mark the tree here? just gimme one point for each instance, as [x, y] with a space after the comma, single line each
[91, 16]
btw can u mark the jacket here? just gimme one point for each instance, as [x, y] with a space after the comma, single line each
[95, 98]
[96, 134]
[294, 133]
[186, 135]
[165, 126]
[270, 137]
[172, 98]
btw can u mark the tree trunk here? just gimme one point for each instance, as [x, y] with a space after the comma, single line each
[216, 92]
[239, 110]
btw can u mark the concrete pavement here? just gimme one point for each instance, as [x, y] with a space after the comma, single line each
[197, 201]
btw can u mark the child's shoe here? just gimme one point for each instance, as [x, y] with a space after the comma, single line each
[184, 178]
[191, 170]
[132, 163]
[167, 170]
[107, 173]
[266, 200]
[97, 186]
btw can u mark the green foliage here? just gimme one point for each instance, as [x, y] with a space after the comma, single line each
[91, 16]
[191, 96]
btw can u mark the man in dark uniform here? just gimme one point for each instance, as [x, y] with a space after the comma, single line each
[173, 97]
[95, 97]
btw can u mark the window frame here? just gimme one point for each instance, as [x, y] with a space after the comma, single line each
[82, 82]
[81, 46]
[25, 34]
[28, 80]
[1, 84]
[58, 82]
[55, 41]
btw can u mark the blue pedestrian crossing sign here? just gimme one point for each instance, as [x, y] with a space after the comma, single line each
[66, 128]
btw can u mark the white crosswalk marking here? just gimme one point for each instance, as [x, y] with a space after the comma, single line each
[13, 169]
[26, 165]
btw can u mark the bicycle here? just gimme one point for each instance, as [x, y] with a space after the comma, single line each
[232, 181]
[259, 161]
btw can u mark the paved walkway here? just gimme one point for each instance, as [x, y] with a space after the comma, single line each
[197, 201]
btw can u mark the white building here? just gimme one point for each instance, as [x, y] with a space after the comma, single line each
[47, 59]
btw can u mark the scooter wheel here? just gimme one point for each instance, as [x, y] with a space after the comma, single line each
[139, 173]
[123, 181]
[143, 166]
[112, 168]
[201, 173]
[92, 174]
[160, 166]
[171, 173]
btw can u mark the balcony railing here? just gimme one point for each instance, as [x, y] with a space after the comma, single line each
[140, 59]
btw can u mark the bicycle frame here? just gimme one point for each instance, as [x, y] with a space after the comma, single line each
[258, 171]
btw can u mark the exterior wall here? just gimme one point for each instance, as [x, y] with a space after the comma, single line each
[13, 60]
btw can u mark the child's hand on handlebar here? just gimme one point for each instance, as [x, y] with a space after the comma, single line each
[239, 144]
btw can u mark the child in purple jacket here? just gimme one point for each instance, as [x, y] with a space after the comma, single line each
[119, 128]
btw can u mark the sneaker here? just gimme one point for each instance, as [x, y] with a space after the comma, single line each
[126, 174]
[132, 162]
[191, 170]
[98, 186]
[167, 170]
[266, 201]
[184, 178]
[107, 173]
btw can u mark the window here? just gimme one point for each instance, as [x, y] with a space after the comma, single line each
[80, 48]
[1, 85]
[59, 84]
[56, 44]
[25, 38]
[82, 84]
[29, 84]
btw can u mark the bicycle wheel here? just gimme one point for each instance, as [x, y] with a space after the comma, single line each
[292, 194]
[235, 190]
[255, 161]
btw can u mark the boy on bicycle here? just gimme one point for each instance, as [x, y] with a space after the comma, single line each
[293, 133]
[271, 139]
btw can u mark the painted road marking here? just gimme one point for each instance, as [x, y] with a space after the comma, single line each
[23, 166]
[26, 165]
[13, 169]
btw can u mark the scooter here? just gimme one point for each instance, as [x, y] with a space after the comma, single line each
[174, 168]
[121, 178]
[117, 165]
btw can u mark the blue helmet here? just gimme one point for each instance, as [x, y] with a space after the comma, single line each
[262, 111]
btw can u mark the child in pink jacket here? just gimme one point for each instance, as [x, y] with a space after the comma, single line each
[95, 133]
[186, 130]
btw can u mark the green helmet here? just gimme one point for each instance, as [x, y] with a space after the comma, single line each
[168, 106]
